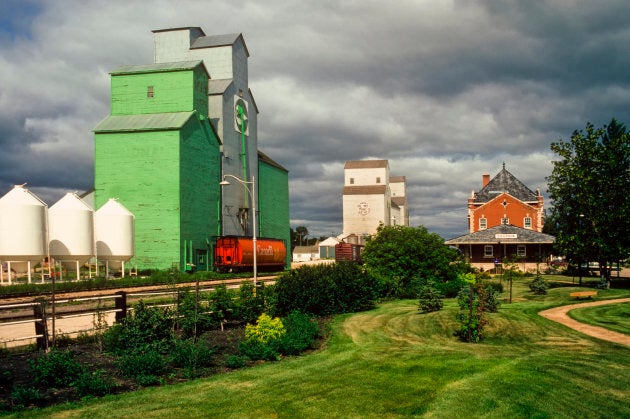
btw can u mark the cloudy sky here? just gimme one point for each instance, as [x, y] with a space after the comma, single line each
[445, 90]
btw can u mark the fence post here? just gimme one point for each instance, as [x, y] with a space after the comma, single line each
[41, 324]
[121, 306]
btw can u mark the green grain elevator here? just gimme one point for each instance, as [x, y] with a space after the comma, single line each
[158, 154]
[174, 132]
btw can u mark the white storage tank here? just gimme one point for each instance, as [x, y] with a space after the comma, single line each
[71, 229]
[114, 229]
[22, 227]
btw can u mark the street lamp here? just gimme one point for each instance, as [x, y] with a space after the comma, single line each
[252, 194]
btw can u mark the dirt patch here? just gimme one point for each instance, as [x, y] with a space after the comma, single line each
[559, 315]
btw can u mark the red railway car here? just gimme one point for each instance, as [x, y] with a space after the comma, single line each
[235, 253]
[348, 252]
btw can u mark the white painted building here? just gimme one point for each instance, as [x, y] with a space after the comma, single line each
[371, 197]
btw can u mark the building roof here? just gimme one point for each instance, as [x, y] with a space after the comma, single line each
[218, 87]
[144, 122]
[504, 181]
[213, 41]
[306, 249]
[400, 201]
[158, 68]
[503, 234]
[262, 157]
[365, 190]
[397, 179]
[365, 164]
[330, 241]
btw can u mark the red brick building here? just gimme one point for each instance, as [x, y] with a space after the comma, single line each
[505, 200]
[505, 220]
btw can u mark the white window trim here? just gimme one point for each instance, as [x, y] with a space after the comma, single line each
[487, 254]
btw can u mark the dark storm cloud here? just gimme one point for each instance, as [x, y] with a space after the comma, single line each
[445, 90]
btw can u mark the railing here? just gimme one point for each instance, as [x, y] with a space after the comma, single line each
[62, 317]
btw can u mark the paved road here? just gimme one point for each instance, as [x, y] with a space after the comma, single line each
[559, 315]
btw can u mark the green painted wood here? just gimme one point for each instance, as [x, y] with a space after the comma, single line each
[273, 204]
[169, 179]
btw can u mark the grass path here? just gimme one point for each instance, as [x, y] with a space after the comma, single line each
[393, 362]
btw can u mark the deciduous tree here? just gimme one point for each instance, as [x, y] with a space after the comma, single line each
[589, 189]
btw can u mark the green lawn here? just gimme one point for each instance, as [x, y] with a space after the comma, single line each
[614, 317]
[394, 362]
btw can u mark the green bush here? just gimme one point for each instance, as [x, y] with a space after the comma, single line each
[398, 254]
[250, 304]
[262, 341]
[93, 384]
[137, 365]
[430, 299]
[539, 286]
[235, 361]
[23, 396]
[145, 329]
[450, 288]
[301, 332]
[191, 356]
[254, 349]
[194, 318]
[56, 369]
[325, 289]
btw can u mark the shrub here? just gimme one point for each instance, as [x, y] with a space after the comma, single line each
[235, 361]
[192, 319]
[56, 369]
[397, 254]
[22, 397]
[138, 365]
[250, 304]
[301, 332]
[262, 341]
[146, 329]
[93, 384]
[450, 288]
[191, 356]
[539, 286]
[474, 301]
[430, 299]
[267, 329]
[325, 289]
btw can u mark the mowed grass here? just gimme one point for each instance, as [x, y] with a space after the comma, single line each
[614, 317]
[394, 362]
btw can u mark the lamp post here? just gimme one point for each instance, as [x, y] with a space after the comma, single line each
[252, 194]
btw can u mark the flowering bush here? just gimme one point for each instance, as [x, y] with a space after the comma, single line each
[267, 329]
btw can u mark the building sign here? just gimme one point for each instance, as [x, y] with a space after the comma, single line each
[241, 120]
[364, 208]
[506, 236]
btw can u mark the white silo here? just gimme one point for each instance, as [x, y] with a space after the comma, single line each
[71, 231]
[114, 229]
[22, 229]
